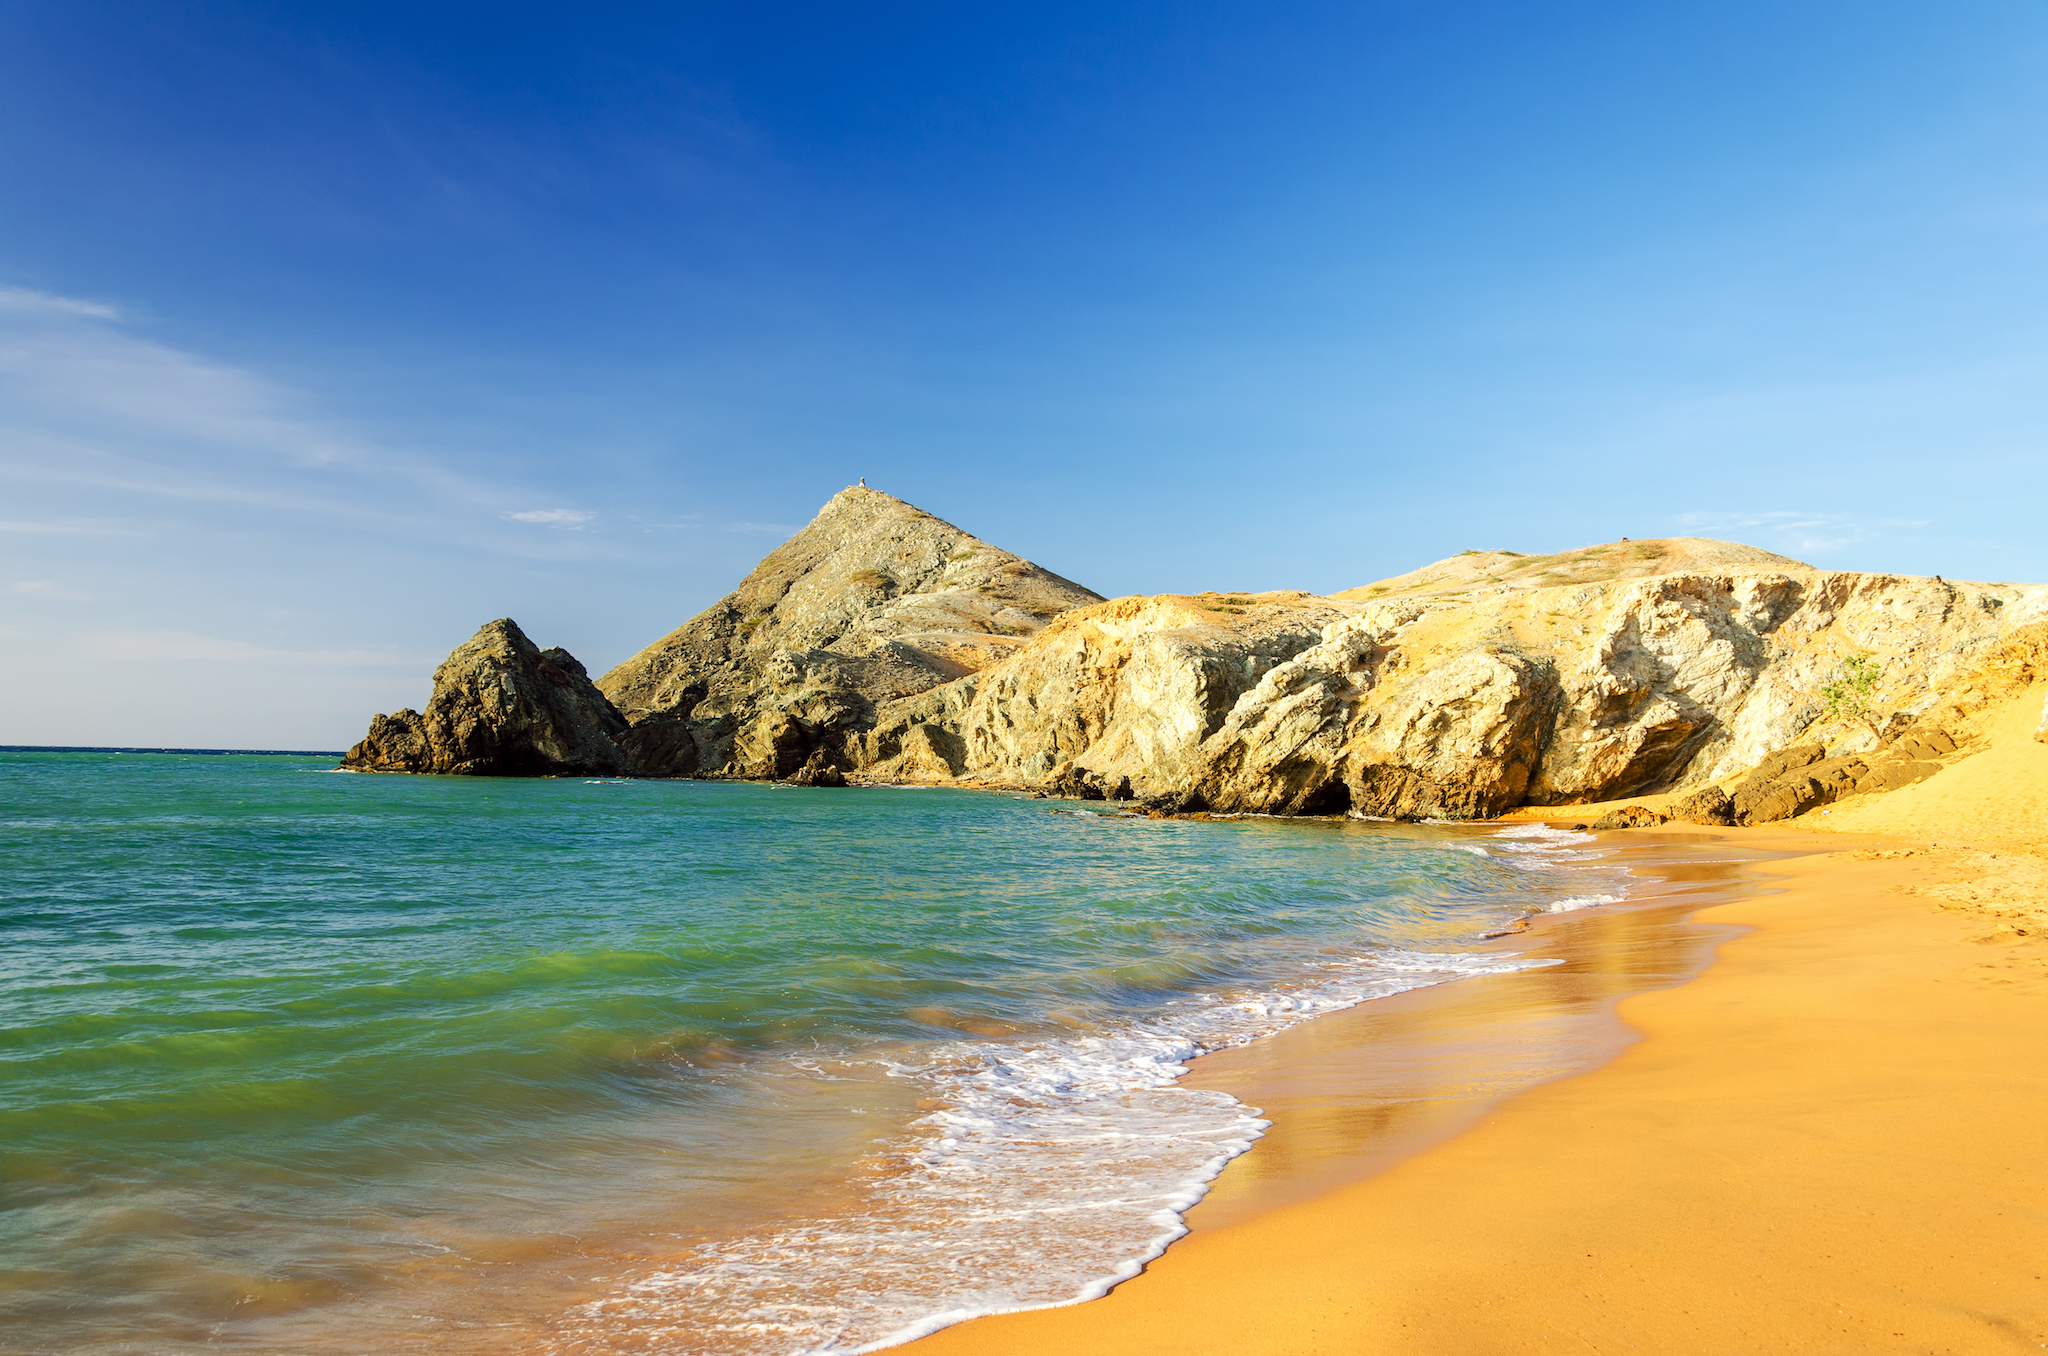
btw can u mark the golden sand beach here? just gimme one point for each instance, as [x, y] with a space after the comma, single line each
[1833, 1139]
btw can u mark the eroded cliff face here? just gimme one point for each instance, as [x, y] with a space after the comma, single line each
[502, 707]
[1135, 684]
[873, 602]
[1557, 695]
[1469, 692]
[885, 642]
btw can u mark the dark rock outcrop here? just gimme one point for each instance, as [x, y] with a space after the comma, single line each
[818, 770]
[1630, 817]
[1078, 783]
[502, 707]
[1708, 805]
[1769, 791]
[1800, 779]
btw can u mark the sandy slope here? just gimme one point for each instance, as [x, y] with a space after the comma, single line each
[1832, 1141]
[1998, 797]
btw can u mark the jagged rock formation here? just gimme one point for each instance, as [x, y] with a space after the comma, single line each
[1803, 777]
[1138, 682]
[818, 770]
[1458, 696]
[885, 643]
[874, 602]
[1797, 779]
[502, 707]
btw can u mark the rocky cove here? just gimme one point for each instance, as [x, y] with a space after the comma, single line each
[883, 644]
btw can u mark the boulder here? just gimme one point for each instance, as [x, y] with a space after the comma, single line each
[818, 770]
[1708, 805]
[1630, 817]
[1782, 799]
[502, 707]
[1778, 765]
[1075, 783]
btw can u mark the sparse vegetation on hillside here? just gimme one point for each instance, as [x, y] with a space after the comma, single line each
[1852, 696]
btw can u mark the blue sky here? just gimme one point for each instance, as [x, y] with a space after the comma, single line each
[330, 332]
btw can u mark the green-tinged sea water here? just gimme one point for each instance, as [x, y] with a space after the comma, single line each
[297, 1060]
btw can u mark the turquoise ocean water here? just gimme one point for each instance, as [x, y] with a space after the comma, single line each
[297, 1060]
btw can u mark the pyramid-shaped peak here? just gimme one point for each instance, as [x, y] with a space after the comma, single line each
[862, 500]
[863, 530]
[892, 599]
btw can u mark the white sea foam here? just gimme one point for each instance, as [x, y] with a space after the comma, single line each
[1056, 1169]
[1584, 902]
[1541, 847]
[1544, 833]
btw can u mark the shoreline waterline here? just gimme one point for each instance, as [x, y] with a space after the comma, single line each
[1773, 1150]
[427, 1063]
[1353, 1092]
[1274, 1016]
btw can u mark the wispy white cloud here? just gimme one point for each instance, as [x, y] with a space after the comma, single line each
[88, 402]
[23, 299]
[77, 527]
[152, 646]
[1799, 529]
[561, 517]
[69, 366]
[47, 589]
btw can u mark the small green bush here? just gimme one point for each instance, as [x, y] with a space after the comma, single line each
[1852, 696]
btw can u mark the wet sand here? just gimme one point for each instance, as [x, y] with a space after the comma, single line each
[1832, 1140]
[1353, 1092]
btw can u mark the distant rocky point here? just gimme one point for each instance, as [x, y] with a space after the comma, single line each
[502, 707]
[884, 644]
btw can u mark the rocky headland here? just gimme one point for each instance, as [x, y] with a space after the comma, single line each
[883, 644]
[502, 707]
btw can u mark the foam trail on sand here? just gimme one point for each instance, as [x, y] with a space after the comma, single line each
[1586, 902]
[1054, 1169]
[1051, 1168]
